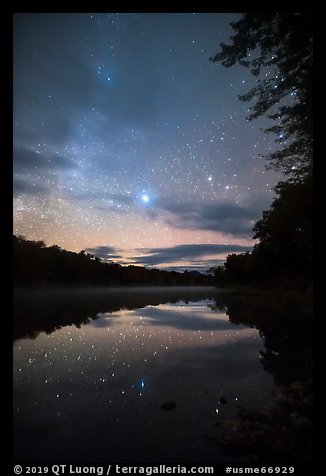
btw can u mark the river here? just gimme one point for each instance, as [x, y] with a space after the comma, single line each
[132, 375]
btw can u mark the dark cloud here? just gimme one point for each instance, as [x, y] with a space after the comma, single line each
[187, 252]
[52, 128]
[106, 253]
[227, 217]
[22, 187]
[26, 160]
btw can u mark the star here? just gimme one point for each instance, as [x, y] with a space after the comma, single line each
[145, 198]
[123, 164]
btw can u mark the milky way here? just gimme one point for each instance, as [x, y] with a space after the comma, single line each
[130, 144]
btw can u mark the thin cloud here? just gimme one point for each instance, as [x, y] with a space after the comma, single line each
[224, 217]
[106, 253]
[22, 187]
[26, 160]
[188, 252]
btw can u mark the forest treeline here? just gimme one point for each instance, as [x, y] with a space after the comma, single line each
[277, 49]
[284, 254]
[34, 264]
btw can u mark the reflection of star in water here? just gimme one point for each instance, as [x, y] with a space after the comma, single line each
[145, 198]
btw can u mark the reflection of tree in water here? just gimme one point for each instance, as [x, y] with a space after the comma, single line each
[283, 433]
[38, 311]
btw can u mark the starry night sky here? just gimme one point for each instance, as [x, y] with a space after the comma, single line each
[130, 144]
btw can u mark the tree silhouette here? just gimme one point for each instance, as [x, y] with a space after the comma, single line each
[285, 231]
[34, 263]
[283, 431]
[284, 254]
[277, 47]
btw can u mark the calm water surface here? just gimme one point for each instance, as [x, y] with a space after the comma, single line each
[90, 388]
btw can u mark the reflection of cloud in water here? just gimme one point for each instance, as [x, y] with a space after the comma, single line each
[181, 317]
[107, 319]
[48, 310]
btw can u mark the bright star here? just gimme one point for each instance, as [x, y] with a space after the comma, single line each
[145, 198]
